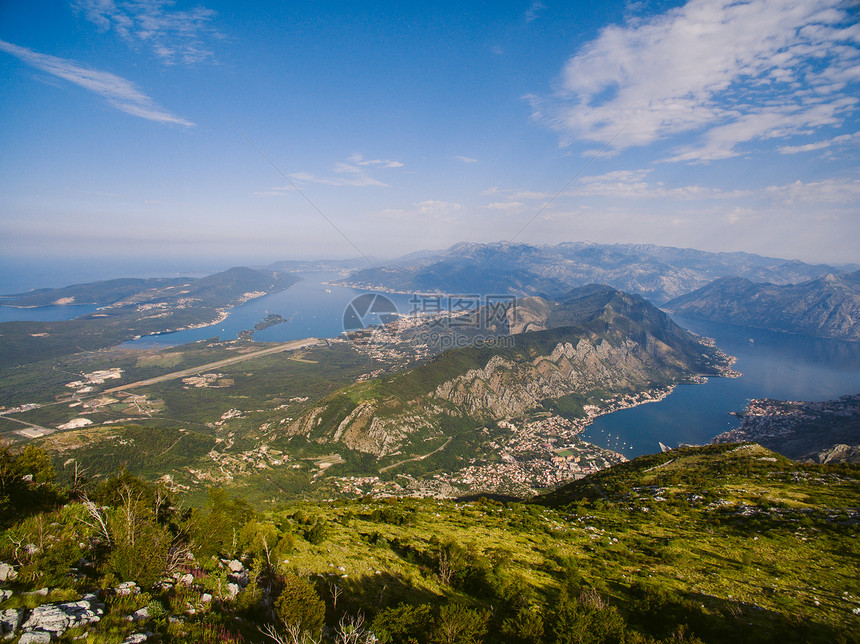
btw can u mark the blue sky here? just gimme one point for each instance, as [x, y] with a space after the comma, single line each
[277, 130]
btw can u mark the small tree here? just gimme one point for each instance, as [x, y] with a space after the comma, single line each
[140, 547]
[300, 606]
[458, 624]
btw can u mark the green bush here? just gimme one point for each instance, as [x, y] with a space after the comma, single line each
[458, 624]
[403, 624]
[139, 554]
[299, 605]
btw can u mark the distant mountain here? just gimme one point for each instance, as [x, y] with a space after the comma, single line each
[98, 293]
[130, 308]
[593, 342]
[827, 306]
[655, 272]
[301, 265]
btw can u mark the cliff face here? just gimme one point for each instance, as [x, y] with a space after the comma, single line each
[599, 340]
[827, 307]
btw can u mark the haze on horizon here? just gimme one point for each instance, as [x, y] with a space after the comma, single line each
[279, 131]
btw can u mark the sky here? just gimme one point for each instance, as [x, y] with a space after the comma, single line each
[281, 130]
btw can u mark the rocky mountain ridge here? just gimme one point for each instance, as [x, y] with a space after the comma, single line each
[594, 342]
[828, 306]
[655, 272]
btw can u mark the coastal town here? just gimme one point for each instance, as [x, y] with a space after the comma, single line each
[815, 431]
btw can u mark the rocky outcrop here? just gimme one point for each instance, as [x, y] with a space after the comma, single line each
[837, 454]
[7, 572]
[52, 620]
[506, 389]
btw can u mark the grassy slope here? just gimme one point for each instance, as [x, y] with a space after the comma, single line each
[768, 552]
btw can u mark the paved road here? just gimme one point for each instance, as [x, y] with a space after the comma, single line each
[287, 346]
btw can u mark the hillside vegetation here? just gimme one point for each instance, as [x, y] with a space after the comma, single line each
[726, 542]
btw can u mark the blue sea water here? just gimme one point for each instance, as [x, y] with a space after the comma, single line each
[313, 309]
[774, 365]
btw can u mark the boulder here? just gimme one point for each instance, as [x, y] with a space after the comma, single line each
[241, 579]
[7, 572]
[35, 637]
[135, 638]
[127, 588]
[56, 619]
[187, 579]
[4, 595]
[10, 621]
[235, 566]
[232, 590]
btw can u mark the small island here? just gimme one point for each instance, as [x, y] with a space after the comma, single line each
[270, 320]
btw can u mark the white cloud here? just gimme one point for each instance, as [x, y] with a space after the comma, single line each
[352, 172]
[173, 36]
[507, 206]
[632, 184]
[734, 71]
[465, 159]
[356, 179]
[358, 159]
[820, 145]
[118, 92]
[534, 11]
[832, 191]
[432, 209]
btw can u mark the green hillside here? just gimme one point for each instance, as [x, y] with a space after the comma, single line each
[727, 542]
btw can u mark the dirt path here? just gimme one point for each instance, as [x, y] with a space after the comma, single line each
[287, 346]
[416, 458]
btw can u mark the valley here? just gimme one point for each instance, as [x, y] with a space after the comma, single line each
[436, 467]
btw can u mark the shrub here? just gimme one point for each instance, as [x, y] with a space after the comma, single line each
[461, 625]
[402, 624]
[300, 606]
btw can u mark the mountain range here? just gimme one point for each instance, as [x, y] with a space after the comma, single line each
[827, 306]
[657, 273]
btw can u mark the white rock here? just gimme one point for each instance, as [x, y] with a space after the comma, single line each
[187, 579]
[35, 637]
[241, 578]
[58, 618]
[138, 615]
[205, 598]
[135, 638]
[10, 620]
[232, 590]
[7, 572]
[127, 588]
[235, 566]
